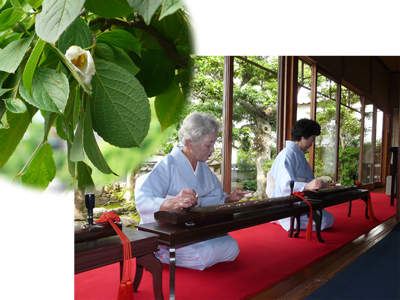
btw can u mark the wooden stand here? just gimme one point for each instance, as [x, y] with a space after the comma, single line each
[98, 253]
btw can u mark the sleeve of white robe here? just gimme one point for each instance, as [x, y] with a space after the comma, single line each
[290, 165]
[153, 192]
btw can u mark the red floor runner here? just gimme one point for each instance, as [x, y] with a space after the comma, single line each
[267, 255]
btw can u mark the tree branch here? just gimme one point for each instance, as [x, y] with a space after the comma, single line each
[169, 48]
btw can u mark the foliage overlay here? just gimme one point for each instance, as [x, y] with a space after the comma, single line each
[140, 49]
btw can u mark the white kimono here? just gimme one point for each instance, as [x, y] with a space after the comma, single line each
[171, 175]
[291, 165]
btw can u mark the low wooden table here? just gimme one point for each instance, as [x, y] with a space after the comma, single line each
[325, 200]
[104, 251]
[173, 235]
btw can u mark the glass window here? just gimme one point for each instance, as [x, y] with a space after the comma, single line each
[368, 151]
[255, 95]
[378, 146]
[303, 90]
[349, 136]
[324, 162]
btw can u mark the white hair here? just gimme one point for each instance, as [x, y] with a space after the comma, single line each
[196, 125]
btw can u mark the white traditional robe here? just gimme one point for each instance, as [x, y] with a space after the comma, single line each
[171, 175]
[291, 165]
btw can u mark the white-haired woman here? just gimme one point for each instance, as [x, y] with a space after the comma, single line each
[180, 180]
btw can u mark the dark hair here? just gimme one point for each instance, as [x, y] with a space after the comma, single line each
[305, 128]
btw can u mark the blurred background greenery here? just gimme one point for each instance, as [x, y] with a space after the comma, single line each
[122, 161]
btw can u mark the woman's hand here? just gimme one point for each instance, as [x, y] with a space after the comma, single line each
[236, 195]
[185, 198]
[328, 184]
[314, 184]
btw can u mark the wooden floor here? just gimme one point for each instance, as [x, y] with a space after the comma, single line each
[303, 283]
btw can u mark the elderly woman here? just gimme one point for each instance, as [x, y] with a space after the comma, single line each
[183, 179]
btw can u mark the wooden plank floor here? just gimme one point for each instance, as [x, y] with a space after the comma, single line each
[303, 283]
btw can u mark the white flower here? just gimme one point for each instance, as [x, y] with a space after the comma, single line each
[83, 63]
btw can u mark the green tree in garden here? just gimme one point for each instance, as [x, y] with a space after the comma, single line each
[349, 131]
[254, 103]
[89, 67]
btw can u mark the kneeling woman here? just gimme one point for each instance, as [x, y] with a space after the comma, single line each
[291, 165]
[180, 180]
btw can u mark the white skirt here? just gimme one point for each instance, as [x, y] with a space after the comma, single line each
[202, 254]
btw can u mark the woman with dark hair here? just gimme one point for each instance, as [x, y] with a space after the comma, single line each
[291, 165]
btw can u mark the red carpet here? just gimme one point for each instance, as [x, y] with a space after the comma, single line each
[267, 255]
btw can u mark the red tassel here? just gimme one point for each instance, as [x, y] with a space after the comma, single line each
[125, 291]
[122, 291]
[369, 204]
[310, 219]
[129, 289]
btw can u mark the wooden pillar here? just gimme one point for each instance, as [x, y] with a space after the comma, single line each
[398, 177]
[385, 157]
[280, 141]
[313, 109]
[226, 167]
[287, 107]
[360, 171]
[337, 135]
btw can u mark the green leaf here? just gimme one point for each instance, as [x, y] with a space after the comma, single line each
[3, 77]
[92, 150]
[61, 130]
[183, 78]
[2, 3]
[48, 123]
[122, 59]
[49, 59]
[15, 105]
[122, 39]
[31, 64]
[174, 28]
[109, 8]
[77, 153]
[4, 121]
[55, 17]
[84, 176]
[3, 91]
[9, 17]
[156, 72]
[49, 90]
[11, 137]
[119, 57]
[71, 165]
[119, 105]
[19, 27]
[169, 7]
[15, 3]
[66, 124]
[78, 34]
[104, 51]
[145, 8]
[41, 170]
[12, 55]
[34, 3]
[147, 40]
[169, 105]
